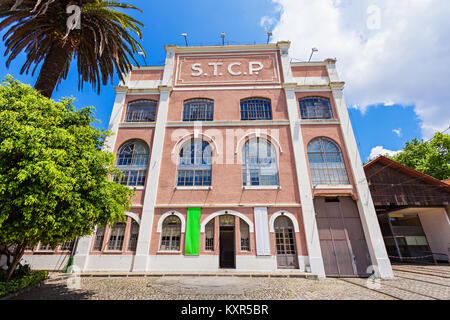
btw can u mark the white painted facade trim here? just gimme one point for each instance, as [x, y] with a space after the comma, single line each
[230, 123]
[283, 213]
[143, 244]
[187, 137]
[304, 184]
[366, 208]
[261, 87]
[261, 187]
[170, 213]
[257, 134]
[232, 205]
[137, 125]
[223, 212]
[333, 186]
[133, 216]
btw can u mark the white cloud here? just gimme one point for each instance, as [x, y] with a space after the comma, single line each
[398, 132]
[381, 151]
[405, 60]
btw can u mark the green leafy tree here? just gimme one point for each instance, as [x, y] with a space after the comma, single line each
[429, 157]
[102, 42]
[54, 176]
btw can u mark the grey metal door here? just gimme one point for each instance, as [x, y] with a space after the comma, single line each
[285, 244]
[342, 240]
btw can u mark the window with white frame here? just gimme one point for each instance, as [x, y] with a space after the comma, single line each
[171, 234]
[315, 108]
[134, 233]
[256, 109]
[244, 229]
[259, 163]
[198, 110]
[209, 236]
[99, 236]
[141, 111]
[326, 162]
[132, 159]
[116, 237]
[195, 164]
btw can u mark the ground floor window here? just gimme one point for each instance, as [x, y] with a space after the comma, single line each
[209, 236]
[245, 235]
[171, 234]
[116, 236]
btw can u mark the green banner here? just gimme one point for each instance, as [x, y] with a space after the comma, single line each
[192, 232]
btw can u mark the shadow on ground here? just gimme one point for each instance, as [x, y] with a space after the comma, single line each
[54, 291]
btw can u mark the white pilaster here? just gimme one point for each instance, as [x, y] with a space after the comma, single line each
[119, 104]
[145, 230]
[366, 208]
[304, 185]
[81, 256]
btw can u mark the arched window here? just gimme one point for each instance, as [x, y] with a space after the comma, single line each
[116, 236]
[141, 111]
[171, 234]
[326, 162]
[198, 110]
[315, 108]
[256, 109]
[209, 236]
[259, 163]
[132, 159]
[134, 233]
[285, 243]
[194, 166]
[245, 235]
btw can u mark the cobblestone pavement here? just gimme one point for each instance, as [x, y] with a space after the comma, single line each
[411, 283]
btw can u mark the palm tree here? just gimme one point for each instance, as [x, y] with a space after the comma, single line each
[101, 44]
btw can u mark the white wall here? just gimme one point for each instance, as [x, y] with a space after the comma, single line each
[436, 226]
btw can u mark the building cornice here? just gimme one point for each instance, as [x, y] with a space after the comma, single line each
[121, 89]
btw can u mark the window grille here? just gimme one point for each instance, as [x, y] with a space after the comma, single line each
[45, 247]
[67, 246]
[315, 108]
[134, 233]
[99, 236]
[198, 110]
[326, 162]
[171, 234]
[141, 111]
[116, 236]
[209, 236]
[194, 166]
[132, 159]
[284, 236]
[256, 109]
[245, 235]
[259, 163]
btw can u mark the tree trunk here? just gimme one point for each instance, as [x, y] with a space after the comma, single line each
[18, 253]
[52, 69]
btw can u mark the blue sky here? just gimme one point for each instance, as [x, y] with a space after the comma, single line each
[246, 21]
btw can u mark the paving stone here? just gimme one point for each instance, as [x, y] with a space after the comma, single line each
[408, 285]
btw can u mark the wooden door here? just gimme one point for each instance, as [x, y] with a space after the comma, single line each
[342, 240]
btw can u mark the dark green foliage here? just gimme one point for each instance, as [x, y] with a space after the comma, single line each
[16, 284]
[54, 176]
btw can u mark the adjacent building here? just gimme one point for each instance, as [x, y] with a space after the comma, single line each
[413, 210]
[240, 160]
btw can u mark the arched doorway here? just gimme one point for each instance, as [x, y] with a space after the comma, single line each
[227, 250]
[285, 243]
